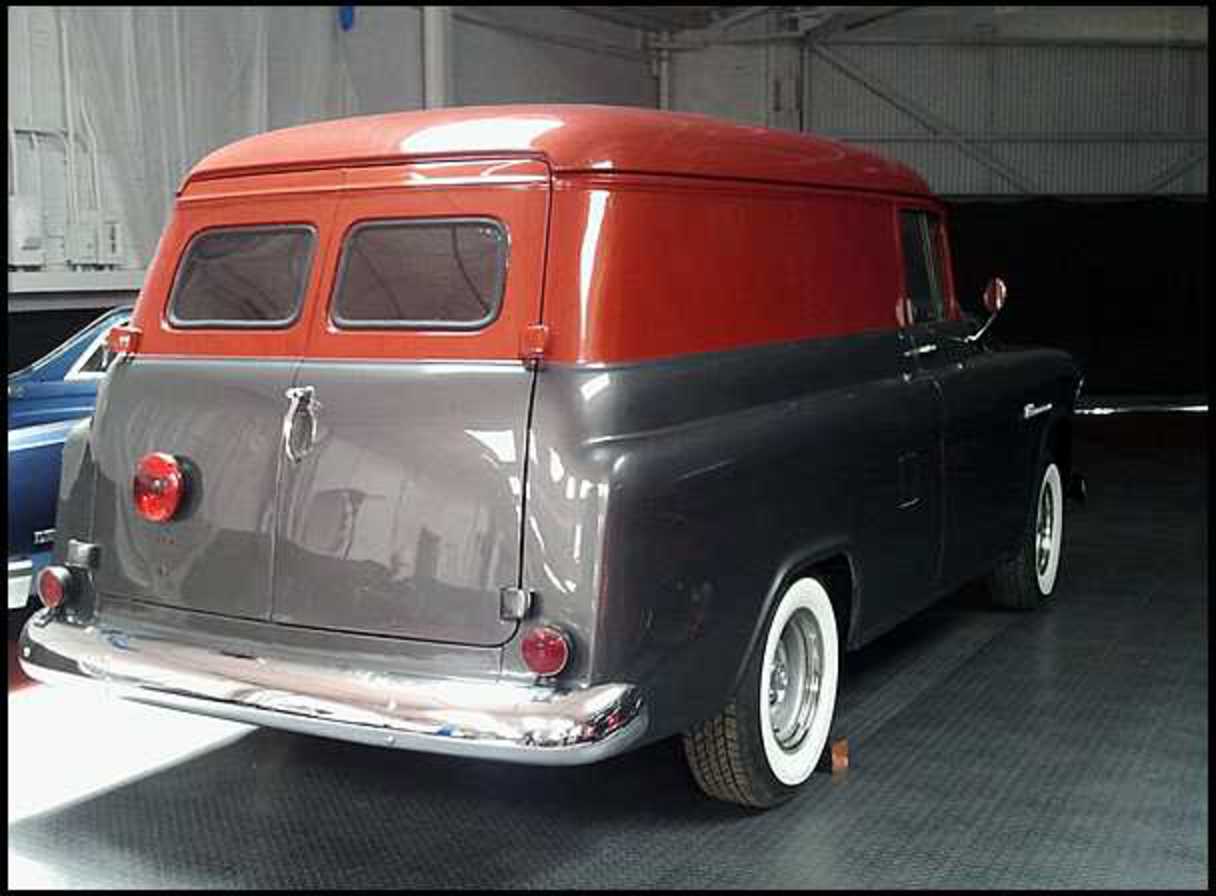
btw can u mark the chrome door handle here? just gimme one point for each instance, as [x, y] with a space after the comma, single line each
[927, 349]
[1033, 410]
[303, 402]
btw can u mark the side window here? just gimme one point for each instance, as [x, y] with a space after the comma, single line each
[922, 264]
[423, 274]
[242, 277]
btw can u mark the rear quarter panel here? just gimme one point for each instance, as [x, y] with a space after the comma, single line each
[665, 508]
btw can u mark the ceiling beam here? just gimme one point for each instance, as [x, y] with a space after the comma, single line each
[598, 12]
[738, 18]
[562, 40]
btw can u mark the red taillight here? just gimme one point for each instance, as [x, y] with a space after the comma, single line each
[159, 486]
[54, 583]
[546, 650]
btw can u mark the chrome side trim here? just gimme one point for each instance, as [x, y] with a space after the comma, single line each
[20, 575]
[1099, 411]
[487, 719]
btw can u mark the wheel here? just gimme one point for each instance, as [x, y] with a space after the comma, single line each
[1028, 580]
[770, 737]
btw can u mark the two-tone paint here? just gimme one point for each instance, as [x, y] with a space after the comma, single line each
[699, 386]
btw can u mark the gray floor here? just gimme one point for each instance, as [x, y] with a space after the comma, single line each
[1066, 748]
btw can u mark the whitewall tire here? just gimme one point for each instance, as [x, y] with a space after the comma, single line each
[1028, 580]
[771, 737]
[1049, 530]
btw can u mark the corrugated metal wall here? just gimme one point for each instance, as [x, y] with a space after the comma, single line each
[500, 55]
[37, 157]
[1063, 119]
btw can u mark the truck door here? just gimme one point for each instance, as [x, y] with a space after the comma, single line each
[983, 444]
[405, 443]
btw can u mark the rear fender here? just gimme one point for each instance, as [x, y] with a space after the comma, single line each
[797, 565]
[74, 510]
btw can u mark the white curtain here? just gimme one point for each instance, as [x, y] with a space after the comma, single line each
[164, 86]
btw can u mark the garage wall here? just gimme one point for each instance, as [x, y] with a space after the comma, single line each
[548, 55]
[38, 153]
[1024, 114]
[156, 88]
[727, 80]
[1020, 119]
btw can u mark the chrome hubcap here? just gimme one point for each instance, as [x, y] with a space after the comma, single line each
[1045, 529]
[794, 679]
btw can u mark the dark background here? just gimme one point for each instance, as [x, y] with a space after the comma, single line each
[1122, 284]
[31, 334]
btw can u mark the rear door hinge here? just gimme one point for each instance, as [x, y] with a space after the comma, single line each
[533, 344]
[514, 603]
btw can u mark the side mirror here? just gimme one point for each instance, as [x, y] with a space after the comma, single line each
[994, 295]
[994, 300]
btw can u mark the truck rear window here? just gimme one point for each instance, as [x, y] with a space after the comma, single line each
[243, 277]
[438, 274]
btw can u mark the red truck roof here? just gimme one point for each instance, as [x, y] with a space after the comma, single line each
[571, 138]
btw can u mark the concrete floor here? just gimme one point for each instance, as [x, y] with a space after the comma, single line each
[1066, 748]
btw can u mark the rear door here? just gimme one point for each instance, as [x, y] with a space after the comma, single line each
[402, 489]
[223, 322]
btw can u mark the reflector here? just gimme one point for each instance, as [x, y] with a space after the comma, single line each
[53, 582]
[158, 486]
[546, 650]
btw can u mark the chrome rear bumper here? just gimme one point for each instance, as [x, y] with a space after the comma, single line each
[496, 719]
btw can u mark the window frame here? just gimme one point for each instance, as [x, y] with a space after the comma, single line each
[229, 324]
[929, 227]
[353, 325]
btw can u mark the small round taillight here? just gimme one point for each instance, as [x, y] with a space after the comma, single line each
[546, 650]
[53, 586]
[159, 486]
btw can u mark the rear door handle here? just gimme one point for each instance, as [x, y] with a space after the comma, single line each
[303, 402]
[1033, 410]
[926, 349]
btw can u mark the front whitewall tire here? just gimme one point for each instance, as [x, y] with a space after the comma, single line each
[1049, 530]
[1028, 579]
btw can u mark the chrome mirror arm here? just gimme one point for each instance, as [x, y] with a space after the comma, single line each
[979, 334]
[994, 300]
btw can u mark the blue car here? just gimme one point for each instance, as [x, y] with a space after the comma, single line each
[45, 400]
